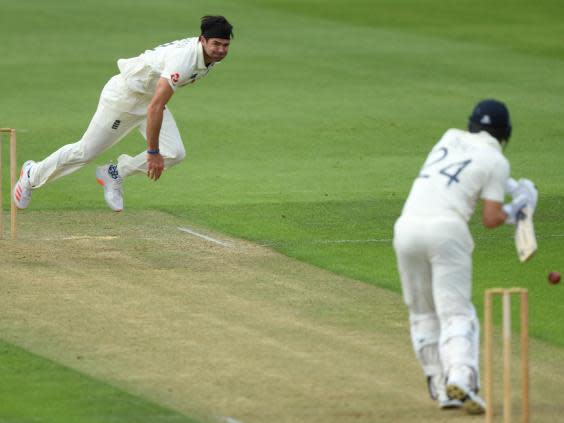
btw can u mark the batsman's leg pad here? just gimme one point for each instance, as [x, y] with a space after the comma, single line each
[425, 332]
[459, 342]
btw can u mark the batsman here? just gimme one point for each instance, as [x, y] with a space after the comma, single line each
[434, 247]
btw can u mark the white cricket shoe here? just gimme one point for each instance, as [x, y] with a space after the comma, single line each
[437, 391]
[108, 177]
[462, 386]
[22, 189]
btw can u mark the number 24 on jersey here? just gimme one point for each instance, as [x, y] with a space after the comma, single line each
[439, 164]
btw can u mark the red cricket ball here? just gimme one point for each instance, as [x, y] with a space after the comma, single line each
[554, 277]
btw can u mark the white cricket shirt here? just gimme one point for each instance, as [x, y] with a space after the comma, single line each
[461, 168]
[181, 62]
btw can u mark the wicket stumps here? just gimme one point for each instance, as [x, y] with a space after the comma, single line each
[13, 180]
[506, 294]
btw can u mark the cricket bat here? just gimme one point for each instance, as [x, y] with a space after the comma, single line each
[525, 239]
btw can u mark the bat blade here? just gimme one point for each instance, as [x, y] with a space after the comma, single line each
[525, 239]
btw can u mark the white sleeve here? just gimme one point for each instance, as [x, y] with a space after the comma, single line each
[179, 66]
[494, 188]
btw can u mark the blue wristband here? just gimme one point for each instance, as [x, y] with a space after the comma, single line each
[157, 151]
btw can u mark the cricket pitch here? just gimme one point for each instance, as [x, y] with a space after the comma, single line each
[217, 331]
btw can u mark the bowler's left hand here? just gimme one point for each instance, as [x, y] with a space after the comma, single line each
[155, 166]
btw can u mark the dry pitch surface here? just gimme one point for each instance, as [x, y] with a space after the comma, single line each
[220, 332]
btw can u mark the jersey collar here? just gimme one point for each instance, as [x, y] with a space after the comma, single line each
[491, 141]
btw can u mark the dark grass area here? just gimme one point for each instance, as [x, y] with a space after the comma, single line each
[35, 389]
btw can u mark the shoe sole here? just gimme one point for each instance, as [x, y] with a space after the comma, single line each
[17, 196]
[470, 405]
[473, 407]
[452, 404]
[17, 191]
[455, 392]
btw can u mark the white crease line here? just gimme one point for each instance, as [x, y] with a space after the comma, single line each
[80, 237]
[228, 420]
[373, 240]
[351, 241]
[207, 238]
[326, 241]
[101, 237]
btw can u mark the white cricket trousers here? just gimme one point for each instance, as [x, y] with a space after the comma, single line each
[434, 256]
[119, 111]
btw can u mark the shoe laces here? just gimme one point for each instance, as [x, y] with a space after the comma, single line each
[113, 171]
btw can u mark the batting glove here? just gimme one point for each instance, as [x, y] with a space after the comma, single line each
[526, 187]
[513, 209]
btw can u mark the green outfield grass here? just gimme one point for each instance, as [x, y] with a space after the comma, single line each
[308, 137]
[36, 389]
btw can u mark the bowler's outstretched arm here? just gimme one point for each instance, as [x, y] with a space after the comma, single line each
[155, 162]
